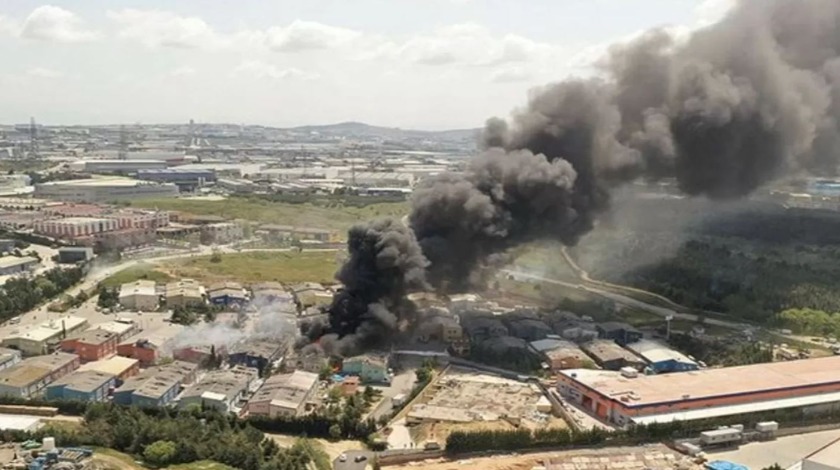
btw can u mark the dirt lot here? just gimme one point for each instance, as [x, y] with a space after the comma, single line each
[655, 457]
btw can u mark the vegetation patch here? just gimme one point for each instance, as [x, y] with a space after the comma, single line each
[258, 266]
[137, 272]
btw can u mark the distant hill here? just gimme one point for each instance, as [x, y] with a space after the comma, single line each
[366, 130]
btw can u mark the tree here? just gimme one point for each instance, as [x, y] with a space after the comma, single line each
[369, 394]
[775, 466]
[216, 257]
[160, 453]
[335, 431]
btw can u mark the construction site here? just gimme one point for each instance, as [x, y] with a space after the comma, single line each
[463, 399]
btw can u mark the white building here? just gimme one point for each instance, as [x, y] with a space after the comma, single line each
[104, 190]
[139, 295]
[283, 395]
[37, 340]
[115, 166]
[14, 264]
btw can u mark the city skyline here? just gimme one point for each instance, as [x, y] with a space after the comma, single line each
[432, 65]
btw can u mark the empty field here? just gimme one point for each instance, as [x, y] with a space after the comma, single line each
[258, 266]
[327, 216]
[134, 273]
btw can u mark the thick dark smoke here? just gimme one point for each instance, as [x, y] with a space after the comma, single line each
[385, 263]
[724, 111]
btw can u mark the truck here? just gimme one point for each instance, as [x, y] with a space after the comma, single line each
[398, 400]
[722, 436]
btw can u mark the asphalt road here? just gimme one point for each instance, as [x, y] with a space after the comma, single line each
[351, 463]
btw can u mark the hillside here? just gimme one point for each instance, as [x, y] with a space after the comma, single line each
[361, 129]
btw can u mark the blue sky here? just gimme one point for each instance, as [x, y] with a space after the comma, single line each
[429, 64]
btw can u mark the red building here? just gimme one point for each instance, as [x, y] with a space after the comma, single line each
[91, 345]
[142, 349]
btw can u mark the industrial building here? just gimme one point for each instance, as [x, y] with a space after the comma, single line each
[187, 179]
[87, 385]
[623, 398]
[31, 375]
[611, 356]
[269, 292]
[369, 368]
[9, 357]
[120, 367]
[621, 333]
[116, 166]
[139, 295]
[156, 386]
[221, 232]
[219, 389]
[74, 254]
[141, 349]
[661, 358]
[230, 294]
[183, 293]
[283, 395]
[91, 345]
[257, 354]
[42, 338]
[123, 328]
[561, 354]
[103, 190]
[17, 264]
[289, 233]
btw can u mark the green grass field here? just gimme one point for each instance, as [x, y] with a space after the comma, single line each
[259, 266]
[134, 273]
[336, 217]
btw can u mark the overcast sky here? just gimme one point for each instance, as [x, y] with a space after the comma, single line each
[430, 64]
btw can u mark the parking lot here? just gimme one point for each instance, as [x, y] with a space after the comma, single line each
[784, 451]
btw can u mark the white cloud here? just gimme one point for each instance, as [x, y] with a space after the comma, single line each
[9, 26]
[260, 70]
[183, 71]
[470, 44]
[510, 75]
[157, 28]
[306, 36]
[43, 72]
[51, 23]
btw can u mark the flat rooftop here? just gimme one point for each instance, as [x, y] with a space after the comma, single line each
[742, 380]
[10, 261]
[105, 182]
[654, 351]
[828, 455]
[115, 365]
[22, 375]
[85, 381]
[94, 336]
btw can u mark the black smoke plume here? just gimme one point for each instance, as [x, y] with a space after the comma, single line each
[723, 110]
[385, 263]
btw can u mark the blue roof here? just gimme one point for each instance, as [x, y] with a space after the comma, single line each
[724, 465]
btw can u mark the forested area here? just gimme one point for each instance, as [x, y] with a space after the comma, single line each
[165, 437]
[20, 294]
[808, 321]
[751, 261]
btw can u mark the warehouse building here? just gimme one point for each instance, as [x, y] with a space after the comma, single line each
[187, 179]
[91, 345]
[230, 294]
[283, 395]
[88, 385]
[120, 367]
[561, 354]
[369, 368]
[17, 264]
[304, 234]
[116, 166]
[31, 375]
[74, 254]
[123, 328]
[257, 354]
[219, 389]
[624, 398]
[43, 338]
[270, 292]
[142, 349]
[621, 333]
[9, 357]
[103, 190]
[157, 386]
[661, 358]
[183, 293]
[139, 295]
[611, 356]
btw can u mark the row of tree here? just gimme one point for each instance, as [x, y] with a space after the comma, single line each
[21, 294]
[810, 321]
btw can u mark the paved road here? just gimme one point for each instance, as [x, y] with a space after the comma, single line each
[624, 300]
[351, 463]
[400, 383]
[784, 451]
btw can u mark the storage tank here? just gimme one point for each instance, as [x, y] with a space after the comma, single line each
[48, 444]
